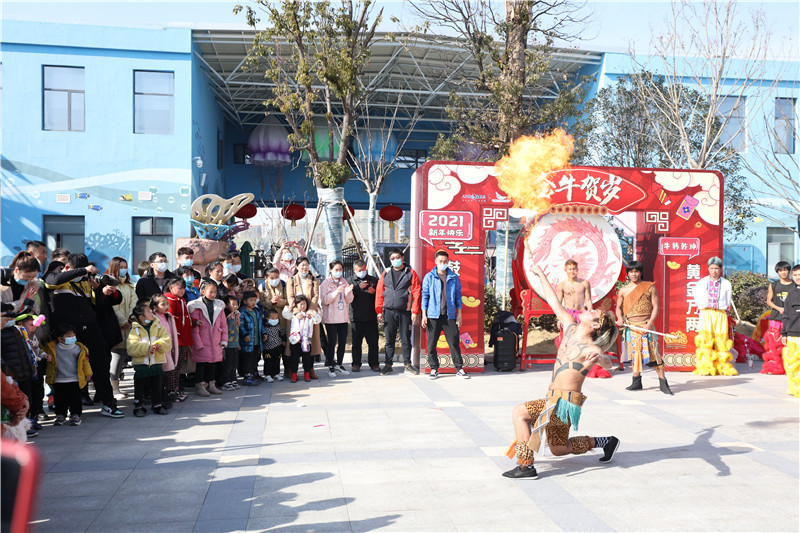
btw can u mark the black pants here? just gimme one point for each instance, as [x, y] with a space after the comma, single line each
[91, 336]
[435, 327]
[248, 361]
[154, 384]
[365, 330]
[297, 355]
[37, 389]
[272, 361]
[205, 372]
[336, 333]
[395, 322]
[230, 362]
[67, 397]
[25, 386]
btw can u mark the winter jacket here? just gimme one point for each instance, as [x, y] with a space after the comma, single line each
[25, 299]
[791, 314]
[84, 368]
[140, 340]
[15, 355]
[124, 309]
[251, 324]
[401, 296]
[234, 320]
[192, 294]
[107, 318]
[146, 287]
[267, 292]
[211, 334]
[335, 307]
[307, 286]
[302, 330]
[222, 292]
[72, 298]
[168, 321]
[179, 310]
[13, 399]
[363, 304]
[432, 294]
[276, 336]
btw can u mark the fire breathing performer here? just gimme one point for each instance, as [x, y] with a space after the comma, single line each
[637, 305]
[583, 346]
[712, 296]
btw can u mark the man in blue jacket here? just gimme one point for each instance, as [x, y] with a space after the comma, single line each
[441, 312]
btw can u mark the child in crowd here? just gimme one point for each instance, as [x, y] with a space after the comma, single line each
[230, 358]
[231, 283]
[29, 324]
[149, 344]
[142, 268]
[160, 305]
[186, 273]
[68, 371]
[302, 330]
[251, 335]
[176, 288]
[210, 333]
[273, 346]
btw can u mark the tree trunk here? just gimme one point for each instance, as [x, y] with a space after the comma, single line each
[518, 19]
[372, 237]
[332, 221]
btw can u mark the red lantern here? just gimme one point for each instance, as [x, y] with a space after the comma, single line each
[391, 213]
[247, 211]
[293, 212]
[344, 213]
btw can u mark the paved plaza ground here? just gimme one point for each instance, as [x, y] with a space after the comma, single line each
[404, 453]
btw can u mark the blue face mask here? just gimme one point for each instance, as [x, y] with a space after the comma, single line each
[21, 281]
[361, 274]
[162, 267]
[303, 274]
[188, 262]
[189, 281]
[69, 341]
[147, 322]
[397, 263]
[273, 321]
[123, 272]
[336, 274]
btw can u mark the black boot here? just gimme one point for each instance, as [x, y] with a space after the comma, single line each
[522, 472]
[664, 386]
[636, 384]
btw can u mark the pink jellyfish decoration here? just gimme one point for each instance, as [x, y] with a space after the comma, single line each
[269, 145]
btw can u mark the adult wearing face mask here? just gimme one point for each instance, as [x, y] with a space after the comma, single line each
[303, 283]
[398, 305]
[21, 286]
[285, 260]
[441, 312]
[336, 294]
[156, 277]
[365, 319]
[76, 296]
[118, 267]
[184, 257]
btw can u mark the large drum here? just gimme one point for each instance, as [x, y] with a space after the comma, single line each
[587, 239]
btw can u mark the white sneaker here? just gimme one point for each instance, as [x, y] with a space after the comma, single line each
[331, 373]
[278, 377]
[462, 374]
[340, 369]
[434, 374]
[269, 379]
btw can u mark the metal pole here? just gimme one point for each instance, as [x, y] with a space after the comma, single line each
[505, 268]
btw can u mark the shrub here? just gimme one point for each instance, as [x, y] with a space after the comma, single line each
[490, 307]
[749, 294]
[546, 322]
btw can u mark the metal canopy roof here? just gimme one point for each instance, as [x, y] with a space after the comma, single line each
[419, 73]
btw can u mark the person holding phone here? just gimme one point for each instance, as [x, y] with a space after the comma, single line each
[365, 319]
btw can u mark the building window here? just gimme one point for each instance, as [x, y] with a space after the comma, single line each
[732, 111]
[241, 154]
[785, 132]
[410, 158]
[64, 232]
[780, 247]
[153, 101]
[150, 235]
[63, 98]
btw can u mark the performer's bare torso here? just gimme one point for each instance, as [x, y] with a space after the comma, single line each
[624, 292]
[576, 357]
[572, 293]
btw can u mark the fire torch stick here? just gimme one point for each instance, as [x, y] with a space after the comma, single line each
[637, 328]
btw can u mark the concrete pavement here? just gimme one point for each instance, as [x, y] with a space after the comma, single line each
[368, 452]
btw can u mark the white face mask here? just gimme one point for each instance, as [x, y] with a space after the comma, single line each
[227, 266]
[286, 257]
[361, 274]
[273, 321]
[162, 267]
[336, 274]
[274, 282]
[236, 268]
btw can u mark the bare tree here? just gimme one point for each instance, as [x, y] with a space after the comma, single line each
[710, 48]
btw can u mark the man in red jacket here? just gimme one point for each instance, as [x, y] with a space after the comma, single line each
[398, 304]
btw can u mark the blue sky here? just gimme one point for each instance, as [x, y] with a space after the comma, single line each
[614, 23]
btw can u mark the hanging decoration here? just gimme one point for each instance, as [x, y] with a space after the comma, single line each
[372, 142]
[391, 213]
[247, 211]
[344, 214]
[293, 212]
[269, 144]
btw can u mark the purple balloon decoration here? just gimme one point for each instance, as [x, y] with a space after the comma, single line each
[269, 145]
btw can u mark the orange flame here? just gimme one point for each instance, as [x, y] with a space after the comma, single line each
[522, 174]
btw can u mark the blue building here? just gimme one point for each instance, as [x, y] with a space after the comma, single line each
[110, 133]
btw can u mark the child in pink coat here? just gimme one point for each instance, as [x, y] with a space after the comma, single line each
[210, 334]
